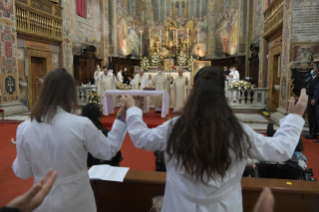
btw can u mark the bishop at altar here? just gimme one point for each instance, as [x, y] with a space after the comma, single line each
[179, 92]
[139, 82]
[160, 81]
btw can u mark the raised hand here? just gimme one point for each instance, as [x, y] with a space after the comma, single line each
[129, 101]
[34, 197]
[300, 107]
[266, 202]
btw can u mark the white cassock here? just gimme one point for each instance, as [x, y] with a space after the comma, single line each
[235, 78]
[120, 77]
[97, 78]
[184, 193]
[107, 83]
[179, 93]
[139, 83]
[161, 83]
[63, 146]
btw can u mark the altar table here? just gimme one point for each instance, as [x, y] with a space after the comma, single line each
[108, 106]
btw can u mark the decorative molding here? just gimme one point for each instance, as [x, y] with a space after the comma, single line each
[273, 17]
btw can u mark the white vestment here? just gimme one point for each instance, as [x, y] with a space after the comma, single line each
[97, 78]
[161, 83]
[179, 93]
[107, 83]
[235, 78]
[184, 193]
[119, 76]
[139, 83]
[63, 146]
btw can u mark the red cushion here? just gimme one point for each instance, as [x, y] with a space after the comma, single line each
[1, 110]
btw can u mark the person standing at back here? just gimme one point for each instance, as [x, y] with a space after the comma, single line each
[311, 108]
[232, 78]
[206, 148]
[55, 138]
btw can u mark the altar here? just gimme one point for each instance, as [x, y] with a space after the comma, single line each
[108, 102]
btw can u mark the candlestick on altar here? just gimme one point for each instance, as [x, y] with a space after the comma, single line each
[176, 42]
[161, 39]
[141, 44]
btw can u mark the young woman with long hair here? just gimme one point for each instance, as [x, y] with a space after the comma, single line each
[55, 138]
[206, 147]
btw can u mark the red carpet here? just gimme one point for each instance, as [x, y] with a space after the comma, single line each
[136, 159]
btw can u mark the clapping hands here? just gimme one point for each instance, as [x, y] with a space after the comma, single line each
[127, 102]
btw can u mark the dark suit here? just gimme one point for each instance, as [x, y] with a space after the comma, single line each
[316, 98]
[313, 128]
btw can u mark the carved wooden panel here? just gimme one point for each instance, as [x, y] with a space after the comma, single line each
[41, 6]
[23, 1]
[31, 52]
[58, 12]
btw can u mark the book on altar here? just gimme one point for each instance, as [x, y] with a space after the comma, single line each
[107, 172]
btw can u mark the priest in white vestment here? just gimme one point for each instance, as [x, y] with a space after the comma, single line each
[97, 77]
[119, 76]
[233, 77]
[179, 91]
[107, 83]
[161, 83]
[139, 82]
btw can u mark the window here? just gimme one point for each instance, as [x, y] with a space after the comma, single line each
[81, 8]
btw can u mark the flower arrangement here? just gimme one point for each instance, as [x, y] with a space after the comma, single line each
[145, 64]
[121, 86]
[241, 85]
[181, 59]
[93, 97]
[155, 59]
[189, 63]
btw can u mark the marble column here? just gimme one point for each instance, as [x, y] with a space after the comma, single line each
[174, 8]
[200, 8]
[194, 8]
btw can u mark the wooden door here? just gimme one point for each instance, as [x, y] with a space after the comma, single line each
[38, 71]
[274, 78]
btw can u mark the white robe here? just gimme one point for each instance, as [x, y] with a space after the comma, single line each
[235, 78]
[161, 83]
[119, 76]
[142, 81]
[63, 146]
[107, 83]
[97, 78]
[179, 91]
[184, 193]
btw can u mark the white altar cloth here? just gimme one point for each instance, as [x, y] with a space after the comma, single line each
[108, 106]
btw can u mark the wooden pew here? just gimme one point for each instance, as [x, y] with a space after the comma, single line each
[138, 188]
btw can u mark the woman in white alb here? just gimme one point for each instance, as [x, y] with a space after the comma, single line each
[206, 148]
[55, 138]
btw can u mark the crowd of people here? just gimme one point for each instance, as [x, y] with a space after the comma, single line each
[205, 148]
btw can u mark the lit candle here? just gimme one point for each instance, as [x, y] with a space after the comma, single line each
[150, 35]
[161, 38]
[177, 38]
[187, 37]
[141, 39]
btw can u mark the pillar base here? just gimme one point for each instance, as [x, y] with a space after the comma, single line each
[275, 117]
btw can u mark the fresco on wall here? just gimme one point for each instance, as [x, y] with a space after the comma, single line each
[213, 20]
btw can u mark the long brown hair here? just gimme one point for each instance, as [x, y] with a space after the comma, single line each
[207, 129]
[58, 89]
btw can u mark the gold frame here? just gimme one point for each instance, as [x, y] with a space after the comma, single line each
[32, 52]
[208, 63]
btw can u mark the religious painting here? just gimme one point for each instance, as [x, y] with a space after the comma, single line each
[197, 65]
[168, 64]
[210, 27]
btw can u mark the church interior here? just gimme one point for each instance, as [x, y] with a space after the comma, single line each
[268, 51]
